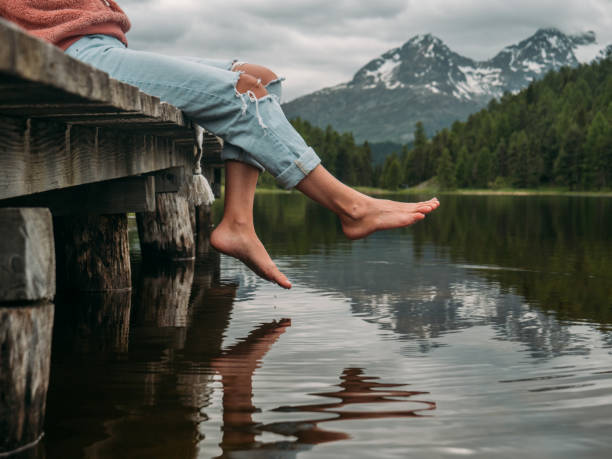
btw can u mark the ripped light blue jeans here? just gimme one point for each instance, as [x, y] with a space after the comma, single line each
[255, 131]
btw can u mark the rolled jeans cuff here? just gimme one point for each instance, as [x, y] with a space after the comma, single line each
[233, 153]
[299, 169]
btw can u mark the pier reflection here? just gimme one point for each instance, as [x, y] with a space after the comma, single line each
[131, 371]
[134, 375]
[92, 322]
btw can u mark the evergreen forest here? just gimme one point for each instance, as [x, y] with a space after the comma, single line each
[555, 133]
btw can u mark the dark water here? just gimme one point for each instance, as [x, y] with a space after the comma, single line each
[484, 331]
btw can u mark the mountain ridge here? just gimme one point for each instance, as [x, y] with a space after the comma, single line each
[424, 80]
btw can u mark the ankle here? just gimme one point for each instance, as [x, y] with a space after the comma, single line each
[352, 209]
[237, 223]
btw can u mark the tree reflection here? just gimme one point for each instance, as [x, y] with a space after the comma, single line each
[556, 250]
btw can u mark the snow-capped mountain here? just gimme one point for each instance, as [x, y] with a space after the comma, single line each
[425, 80]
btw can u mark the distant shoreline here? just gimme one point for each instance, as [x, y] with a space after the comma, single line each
[475, 192]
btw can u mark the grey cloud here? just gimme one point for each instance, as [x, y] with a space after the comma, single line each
[317, 43]
[322, 12]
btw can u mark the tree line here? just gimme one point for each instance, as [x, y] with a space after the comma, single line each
[349, 162]
[555, 132]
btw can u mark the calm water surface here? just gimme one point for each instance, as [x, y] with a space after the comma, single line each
[484, 331]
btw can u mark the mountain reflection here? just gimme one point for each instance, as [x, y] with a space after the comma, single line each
[524, 265]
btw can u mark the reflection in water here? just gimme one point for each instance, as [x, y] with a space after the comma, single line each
[103, 322]
[111, 399]
[505, 323]
[236, 367]
[524, 265]
[356, 389]
[554, 251]
[136, 380]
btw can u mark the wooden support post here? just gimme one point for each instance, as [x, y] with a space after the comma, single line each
[93, 252]
[27, 286]
[167, 233]
[217, 182]
[203, 218]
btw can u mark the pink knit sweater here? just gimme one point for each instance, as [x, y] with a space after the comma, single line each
[62, 22]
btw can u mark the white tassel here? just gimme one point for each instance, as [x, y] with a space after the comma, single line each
[197, 190]
[200, 191]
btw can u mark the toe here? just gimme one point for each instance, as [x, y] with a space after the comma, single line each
[283, 281]
[425, 208]
[418, 216]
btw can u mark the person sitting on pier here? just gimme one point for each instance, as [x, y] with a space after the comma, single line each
[237, 101]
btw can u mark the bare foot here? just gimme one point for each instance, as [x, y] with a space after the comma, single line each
[372, 215]
[241, 242]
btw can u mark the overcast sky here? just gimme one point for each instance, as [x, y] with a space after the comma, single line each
[320, 43]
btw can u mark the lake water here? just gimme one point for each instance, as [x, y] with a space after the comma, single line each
[483, 331]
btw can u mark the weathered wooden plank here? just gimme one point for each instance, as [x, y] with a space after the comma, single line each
[27, 255]
[203, 227]
[92, 252]
[67, 112]
[14, 100]
[212, 146]
[216, 183]
[40, 155]
[35, 61]
[25, 357]
[120, 196]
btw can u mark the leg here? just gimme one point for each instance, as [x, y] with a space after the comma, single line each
[235, 235]
[213, 97]
[239, 109]
[360, 214]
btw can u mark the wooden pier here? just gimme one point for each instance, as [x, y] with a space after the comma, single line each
[78, 151]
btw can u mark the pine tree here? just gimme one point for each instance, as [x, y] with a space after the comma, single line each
[518, 152]
[446, 171]
[597, 153]
[568, 164]
[483, 168]
[501, 159]
[416, 163]
[392, 173]
[462, 172]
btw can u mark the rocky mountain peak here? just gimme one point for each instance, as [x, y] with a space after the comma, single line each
[425, 80]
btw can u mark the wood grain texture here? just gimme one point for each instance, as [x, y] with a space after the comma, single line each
[64, 123]
[27, 255]
[169, 180]
[120, 196]
[167, 233]
[29, 59]
[38, 155]
[203, 219]
[92, 253]
[25, 355]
